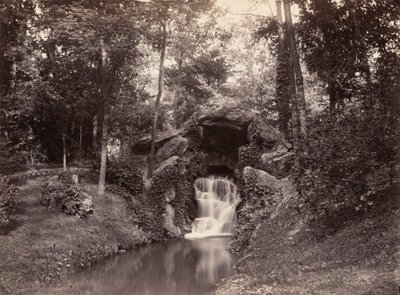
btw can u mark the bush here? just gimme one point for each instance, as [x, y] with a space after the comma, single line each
[126, 176]
[346, 167]
[61, 193]
[8, 200]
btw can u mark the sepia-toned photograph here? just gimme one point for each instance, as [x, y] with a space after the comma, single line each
[199, 147]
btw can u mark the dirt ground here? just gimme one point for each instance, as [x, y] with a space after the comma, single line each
[43, 246]
[285, 258]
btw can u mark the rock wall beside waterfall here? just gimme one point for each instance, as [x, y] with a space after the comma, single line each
[227, 139]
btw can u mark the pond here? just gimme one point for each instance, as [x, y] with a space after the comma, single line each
[179, 267]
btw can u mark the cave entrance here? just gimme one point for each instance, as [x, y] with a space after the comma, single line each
[221, 144]
[220, 170]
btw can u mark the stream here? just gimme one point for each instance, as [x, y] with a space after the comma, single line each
[190, 266]
[179, 267]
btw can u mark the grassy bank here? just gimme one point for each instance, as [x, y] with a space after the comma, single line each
[42, 246]
[285, 257]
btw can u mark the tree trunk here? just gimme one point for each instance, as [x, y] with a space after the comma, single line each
[282, 79]
[157, 104]
[332, 92]
[299, 84]
[104, 144]
[94, 134]
[80, 139]
[292, 94]
[177, 100]
[106, 120]
[64, 153]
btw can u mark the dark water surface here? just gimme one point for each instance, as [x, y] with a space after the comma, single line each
[181, 267]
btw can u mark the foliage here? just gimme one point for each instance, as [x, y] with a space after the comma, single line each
[11, 161]
[347, 167]
[197, 166]
[61, 193]
[339, 38]
[249, 155]
[126, 176]
[135, 203]
[156, 203]
[8, 200]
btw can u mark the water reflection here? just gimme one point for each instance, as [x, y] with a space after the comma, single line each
[178, 267]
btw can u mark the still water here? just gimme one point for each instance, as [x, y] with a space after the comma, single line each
[181, 267]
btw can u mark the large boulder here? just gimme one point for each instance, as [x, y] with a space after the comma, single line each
[261, 179]
[279, 166]
[170, 162]
[231, 118]
[263, 134]
[219, 134]
[176, 146]
[143, 145]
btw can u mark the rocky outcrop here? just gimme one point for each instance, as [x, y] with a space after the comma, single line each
[278, 165]
[143, 145]
[219, 134]
[213, 141]
[173, 230]
[170, 162]
[263, 134]
[261, 179]
[176, 146]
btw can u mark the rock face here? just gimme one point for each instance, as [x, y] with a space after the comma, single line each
[169, 224]
[176, 146]
[210, 142]
[278, 165]
[219, 134]
[263, 134]
[261, 178]
[170, 195]
[143, 145]
[172, 161]
[231, 118]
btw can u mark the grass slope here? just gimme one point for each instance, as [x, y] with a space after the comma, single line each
[44, 245]
[285, 258]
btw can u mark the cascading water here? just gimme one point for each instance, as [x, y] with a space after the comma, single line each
[217, 198]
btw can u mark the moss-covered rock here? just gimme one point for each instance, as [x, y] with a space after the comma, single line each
[60, 193]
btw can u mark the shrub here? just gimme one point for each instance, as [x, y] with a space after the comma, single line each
[126, 176]
[346, 167]
[8, 200]
[61, 193]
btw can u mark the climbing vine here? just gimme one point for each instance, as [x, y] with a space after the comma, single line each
[183, 203]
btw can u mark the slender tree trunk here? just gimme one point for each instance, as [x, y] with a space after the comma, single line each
[292, 94]
[80, 139]
[103, 161]
[177, 99]
[106, 121]
[282, 81]
[299, 88]
[64, 153]
[332, 92]
[94, 134]
[32, 158]
[157, 104]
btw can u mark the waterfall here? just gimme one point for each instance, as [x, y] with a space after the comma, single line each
[217, 198]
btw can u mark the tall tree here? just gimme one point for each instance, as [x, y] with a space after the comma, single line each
[160, 15]
[163, 47]
[295, 64]
[339, 40]
[282, 81]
